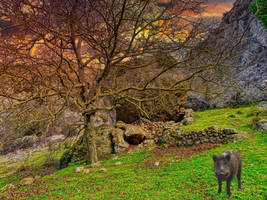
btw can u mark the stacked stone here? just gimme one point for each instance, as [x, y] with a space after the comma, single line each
[170, 137]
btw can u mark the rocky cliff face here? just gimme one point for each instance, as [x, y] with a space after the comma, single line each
[249, 69]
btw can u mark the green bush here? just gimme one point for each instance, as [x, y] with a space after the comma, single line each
[232, 116]
[255, 120]
[262, 13]
[239, 112]
[250, 114]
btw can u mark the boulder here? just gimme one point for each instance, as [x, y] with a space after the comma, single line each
[262, 105]
[53, 139]
[239, 136]
[27, 181]
[211, 129]
[120, 145]
[104, 140]
[109, 140]
[7, 187]
[97, 164]
[187, 120]
[10, 186]
[262, 124]
[168, 125]
[20, 143]
[99, 119]
[115, 158]
[55, 130]
[229, 131]
[87, 171]
[134, 134]
[121, 125]
[118, 163]
[187, 112]
[79, 169]
[264, 86]
[103, 170]
[71, 116]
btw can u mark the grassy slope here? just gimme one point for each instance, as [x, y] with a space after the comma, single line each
[185, 178]
[32, 165]
[239, 117]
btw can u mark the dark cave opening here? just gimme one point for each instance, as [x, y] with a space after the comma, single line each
[135, 139]
[112, 143]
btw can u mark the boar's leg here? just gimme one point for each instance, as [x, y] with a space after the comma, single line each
[220, 186]
[239, 178]
[228, 185]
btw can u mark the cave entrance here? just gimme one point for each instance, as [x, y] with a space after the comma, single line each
[112, 143]
[179, 117]
[135, 139]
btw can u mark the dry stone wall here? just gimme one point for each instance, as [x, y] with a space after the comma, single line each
[176, 137]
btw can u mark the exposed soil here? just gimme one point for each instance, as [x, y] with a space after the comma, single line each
[185, 152]
[179, 152]
[14, 194]
[43, 170]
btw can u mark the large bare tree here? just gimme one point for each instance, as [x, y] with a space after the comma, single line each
[58, 54]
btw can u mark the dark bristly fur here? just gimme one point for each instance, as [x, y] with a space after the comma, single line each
[226, 166]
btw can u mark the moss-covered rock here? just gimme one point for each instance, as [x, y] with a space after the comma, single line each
[109, 140]
[18, 144]
[170, 137]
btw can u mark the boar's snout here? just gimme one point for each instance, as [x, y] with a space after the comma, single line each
[222, 174]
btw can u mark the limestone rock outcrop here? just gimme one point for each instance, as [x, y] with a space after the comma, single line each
[247, 72]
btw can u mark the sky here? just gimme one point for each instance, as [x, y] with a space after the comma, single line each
[217, 7]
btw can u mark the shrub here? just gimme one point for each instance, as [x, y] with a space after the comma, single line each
[250, 114]
[34, 129]
[255, 120]
[232, 116]
[262, 12]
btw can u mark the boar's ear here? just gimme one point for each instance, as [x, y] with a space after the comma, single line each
[228, 157]
[214, 158]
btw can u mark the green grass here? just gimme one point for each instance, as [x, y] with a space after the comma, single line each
[175, 178]
[32, 166]
[239, 117]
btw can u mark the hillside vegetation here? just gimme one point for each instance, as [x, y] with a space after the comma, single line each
[181, 173]
[261, 10]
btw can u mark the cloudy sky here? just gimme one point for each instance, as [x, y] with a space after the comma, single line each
[217, 7]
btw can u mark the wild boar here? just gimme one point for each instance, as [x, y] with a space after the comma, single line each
[226, 166]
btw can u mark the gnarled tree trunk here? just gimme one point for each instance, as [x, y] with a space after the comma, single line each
[90, 134]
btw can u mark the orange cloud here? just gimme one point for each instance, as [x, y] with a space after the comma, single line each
[217, 10]
[214, 8]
